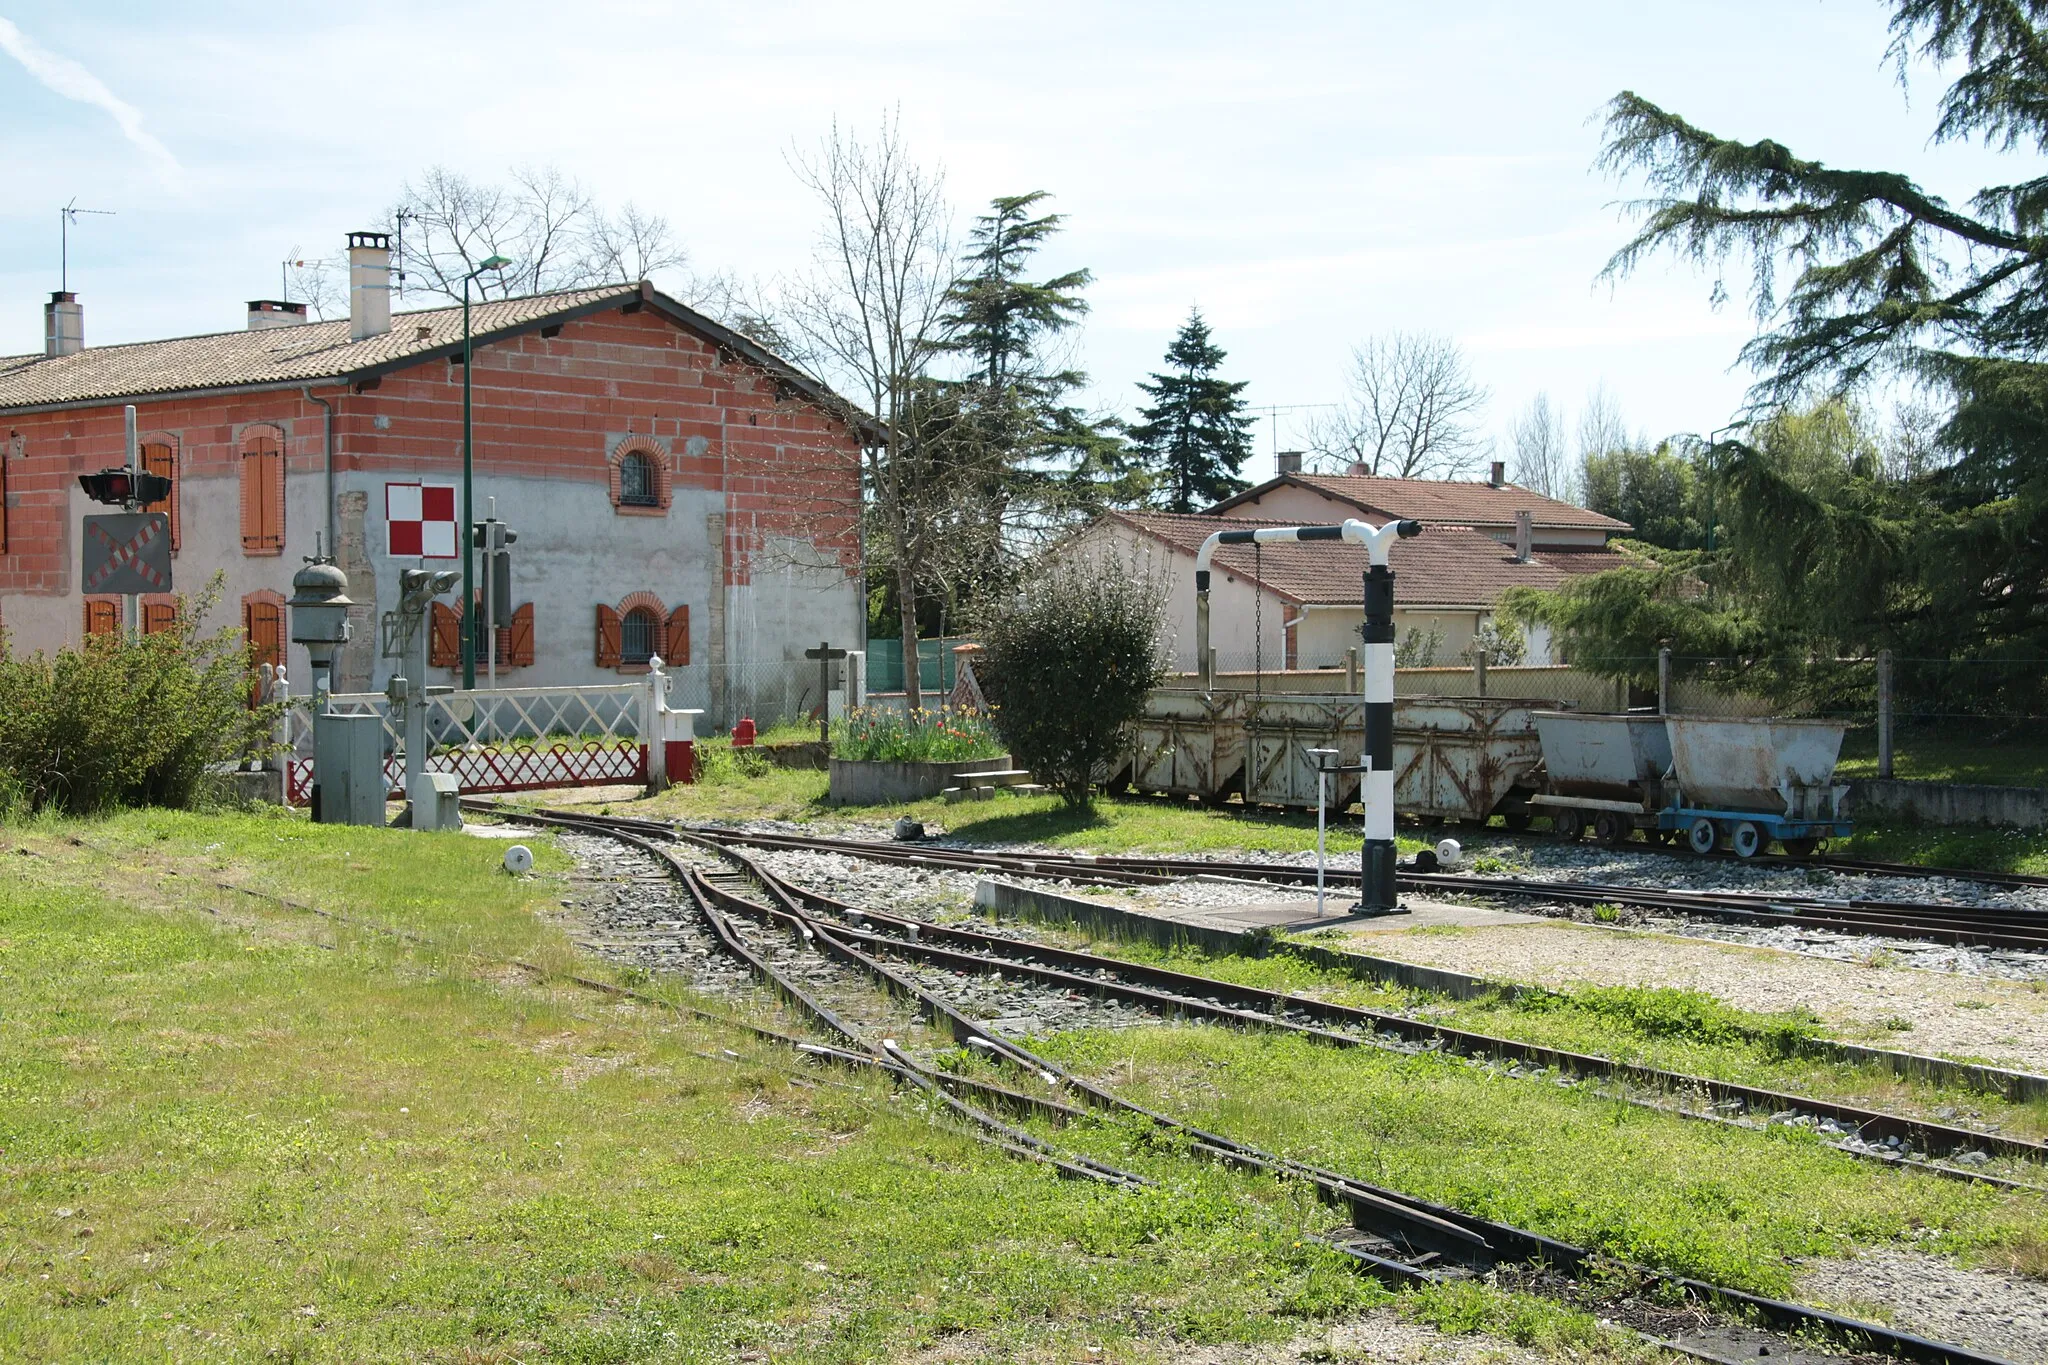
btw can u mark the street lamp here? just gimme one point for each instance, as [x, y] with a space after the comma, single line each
[491, 264]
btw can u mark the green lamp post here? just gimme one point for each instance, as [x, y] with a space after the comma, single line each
[491, 264]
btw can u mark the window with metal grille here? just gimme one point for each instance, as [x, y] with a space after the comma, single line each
[636, 636]
[636, 481]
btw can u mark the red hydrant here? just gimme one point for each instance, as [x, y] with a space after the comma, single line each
[743, 733]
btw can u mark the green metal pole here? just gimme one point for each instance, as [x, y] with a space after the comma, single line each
[468, 517]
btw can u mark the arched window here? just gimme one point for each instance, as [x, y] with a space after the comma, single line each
[638, 630]
[636, 481]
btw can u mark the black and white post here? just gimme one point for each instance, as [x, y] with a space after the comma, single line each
[1376, 891]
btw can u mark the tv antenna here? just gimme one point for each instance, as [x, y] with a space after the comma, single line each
[1272, 412]
[67, 216]
[400, 217]
[285, 267]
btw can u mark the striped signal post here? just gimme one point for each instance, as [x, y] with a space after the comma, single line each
[1376, 890]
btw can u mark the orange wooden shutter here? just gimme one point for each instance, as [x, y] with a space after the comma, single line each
[264, 622]
[157, 459]
[444, 643]
[677, 652]
[607, 637]
[102, 618]
[519, 637]
[262, 497]
[158, 617]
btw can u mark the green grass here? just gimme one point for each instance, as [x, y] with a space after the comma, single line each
[2018, 759]
[1671, 1029]
[1724, 1204]
[235, 1130]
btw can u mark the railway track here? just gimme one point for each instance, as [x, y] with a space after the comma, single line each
[1394, 1236]
[1959, 925]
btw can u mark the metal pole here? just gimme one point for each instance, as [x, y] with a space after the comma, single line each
[131, 605]
[1664, 681]
[490, 598]
[1376, 859]
[468, 513]
[1884, 714]
[416, 712]
[825, 692]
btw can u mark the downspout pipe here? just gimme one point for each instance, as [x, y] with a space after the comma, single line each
[333, 547]
[1376, 539]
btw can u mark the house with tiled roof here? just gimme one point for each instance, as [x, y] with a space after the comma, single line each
[1297, 604]
[677, 490]
[1492, 506]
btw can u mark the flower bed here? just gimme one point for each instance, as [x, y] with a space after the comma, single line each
[879, 757]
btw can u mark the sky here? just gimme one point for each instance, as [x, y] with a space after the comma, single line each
[1308, 175]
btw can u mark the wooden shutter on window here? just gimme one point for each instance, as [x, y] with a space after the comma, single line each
[444, 641]
[262, 497]
[158, 459]
[102, 618]
[677, 650]
[158, 617]
[607, 637]
[519, 638]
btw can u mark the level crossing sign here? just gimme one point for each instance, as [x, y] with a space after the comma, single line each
[127, 552]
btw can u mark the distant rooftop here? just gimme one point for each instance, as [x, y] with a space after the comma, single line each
[1446, 502]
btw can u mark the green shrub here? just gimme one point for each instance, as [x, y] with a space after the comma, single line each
[119, 722]
[720, 764]
[921, 736]
[1070, 662]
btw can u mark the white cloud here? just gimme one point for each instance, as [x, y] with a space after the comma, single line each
[74, 82]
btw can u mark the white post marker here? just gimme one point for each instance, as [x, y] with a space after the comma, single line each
[1322, 758]
[1376, 863]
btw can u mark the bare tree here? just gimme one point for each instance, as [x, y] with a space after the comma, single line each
[1412, 410]
[556, 235]
[1542, 461]
[1910, 443]
[1602, 430]
[869, 318]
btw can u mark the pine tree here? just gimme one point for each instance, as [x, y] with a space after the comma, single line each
[1196, 435]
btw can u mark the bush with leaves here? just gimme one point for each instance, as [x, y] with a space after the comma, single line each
[1069, 663]
[119, 722]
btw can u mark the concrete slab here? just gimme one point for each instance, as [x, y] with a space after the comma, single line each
[1299, 916]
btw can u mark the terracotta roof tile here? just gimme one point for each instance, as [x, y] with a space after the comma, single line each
[1450, 502]
[1444, 566]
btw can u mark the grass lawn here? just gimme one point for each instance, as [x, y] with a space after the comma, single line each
[235, 1130]
[2019, 759]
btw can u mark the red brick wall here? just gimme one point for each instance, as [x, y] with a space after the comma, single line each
[553, 406]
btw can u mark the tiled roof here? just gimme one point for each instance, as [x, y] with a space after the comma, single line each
[277, 355]
[315, 351]
[1444, 566]
[1448, 502]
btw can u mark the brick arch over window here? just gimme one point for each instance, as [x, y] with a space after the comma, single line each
[656, 493]
[160, 456]
[262, 448]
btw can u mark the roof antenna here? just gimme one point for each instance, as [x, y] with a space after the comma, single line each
[401, 216]
[284, 275]
[67, 216]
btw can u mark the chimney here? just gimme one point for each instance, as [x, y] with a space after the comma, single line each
[63, 325]
[1499, 474]
[1525, 536]
[265, 314]
[1287, 462]
[369, 285]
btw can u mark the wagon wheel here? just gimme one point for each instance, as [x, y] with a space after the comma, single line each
[1701, 836]
[1801, 848]
[1569, 824]
[1748, 840]
[1612, 827]
[1516, 821]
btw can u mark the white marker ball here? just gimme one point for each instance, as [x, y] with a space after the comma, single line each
[518, 859]
[1448, 851]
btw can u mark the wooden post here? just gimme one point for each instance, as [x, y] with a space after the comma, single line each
[1884, 714]
[825, 654]
[1664, 681]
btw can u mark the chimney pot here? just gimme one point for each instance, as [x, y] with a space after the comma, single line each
[1499, 475]
[1525, 536]
[63, 325]
[1287, 462]
[265, 314]
[369, 285]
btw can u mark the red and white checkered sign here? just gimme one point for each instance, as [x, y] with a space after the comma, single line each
[421, 520]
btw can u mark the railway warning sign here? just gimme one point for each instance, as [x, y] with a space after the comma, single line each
[127, 552]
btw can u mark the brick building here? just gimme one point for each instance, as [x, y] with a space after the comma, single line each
[677, 490]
